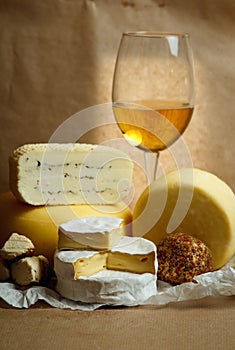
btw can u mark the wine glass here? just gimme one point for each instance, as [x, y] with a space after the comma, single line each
[153, 90]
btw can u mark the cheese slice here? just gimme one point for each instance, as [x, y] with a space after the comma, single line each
[109, 287]
[190, 201]
[91, 233]
[41, 223]
[136, 255]
[72, 173]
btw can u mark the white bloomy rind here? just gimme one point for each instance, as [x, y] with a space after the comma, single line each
[91, 232]
[109, 287]
[135, 283]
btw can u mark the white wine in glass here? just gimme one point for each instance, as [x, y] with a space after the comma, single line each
[153, 90]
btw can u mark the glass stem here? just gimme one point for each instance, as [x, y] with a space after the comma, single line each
[151, 162]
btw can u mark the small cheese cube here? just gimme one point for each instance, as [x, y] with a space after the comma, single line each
[17, 246]
[29, 270]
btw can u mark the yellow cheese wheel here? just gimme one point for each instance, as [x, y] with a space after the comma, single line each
[191, 201]
[40, 224]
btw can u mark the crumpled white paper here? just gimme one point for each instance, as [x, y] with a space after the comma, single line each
[217, 283]
[19, 298]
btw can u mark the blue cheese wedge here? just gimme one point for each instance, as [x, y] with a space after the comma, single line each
[91, 232]
[132, 254]
[72, 173]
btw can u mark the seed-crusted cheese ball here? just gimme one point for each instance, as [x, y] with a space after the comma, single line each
[181, 257]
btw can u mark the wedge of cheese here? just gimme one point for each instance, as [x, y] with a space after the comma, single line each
[190, 201]
[109, 287]
[72, 173]
[136, 255]
[91, 233]
[132, 254]
[41, 223]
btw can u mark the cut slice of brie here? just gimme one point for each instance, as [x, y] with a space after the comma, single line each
[91, 233]
[133, 254]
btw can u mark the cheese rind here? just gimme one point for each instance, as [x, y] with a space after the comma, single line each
[40, 224]
[109, 287]
[190, 201]
[56, 174]
[91, 233]
[136, 255]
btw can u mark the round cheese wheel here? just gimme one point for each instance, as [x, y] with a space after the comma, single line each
[40, 224]
[109, 287]
[191, 201]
